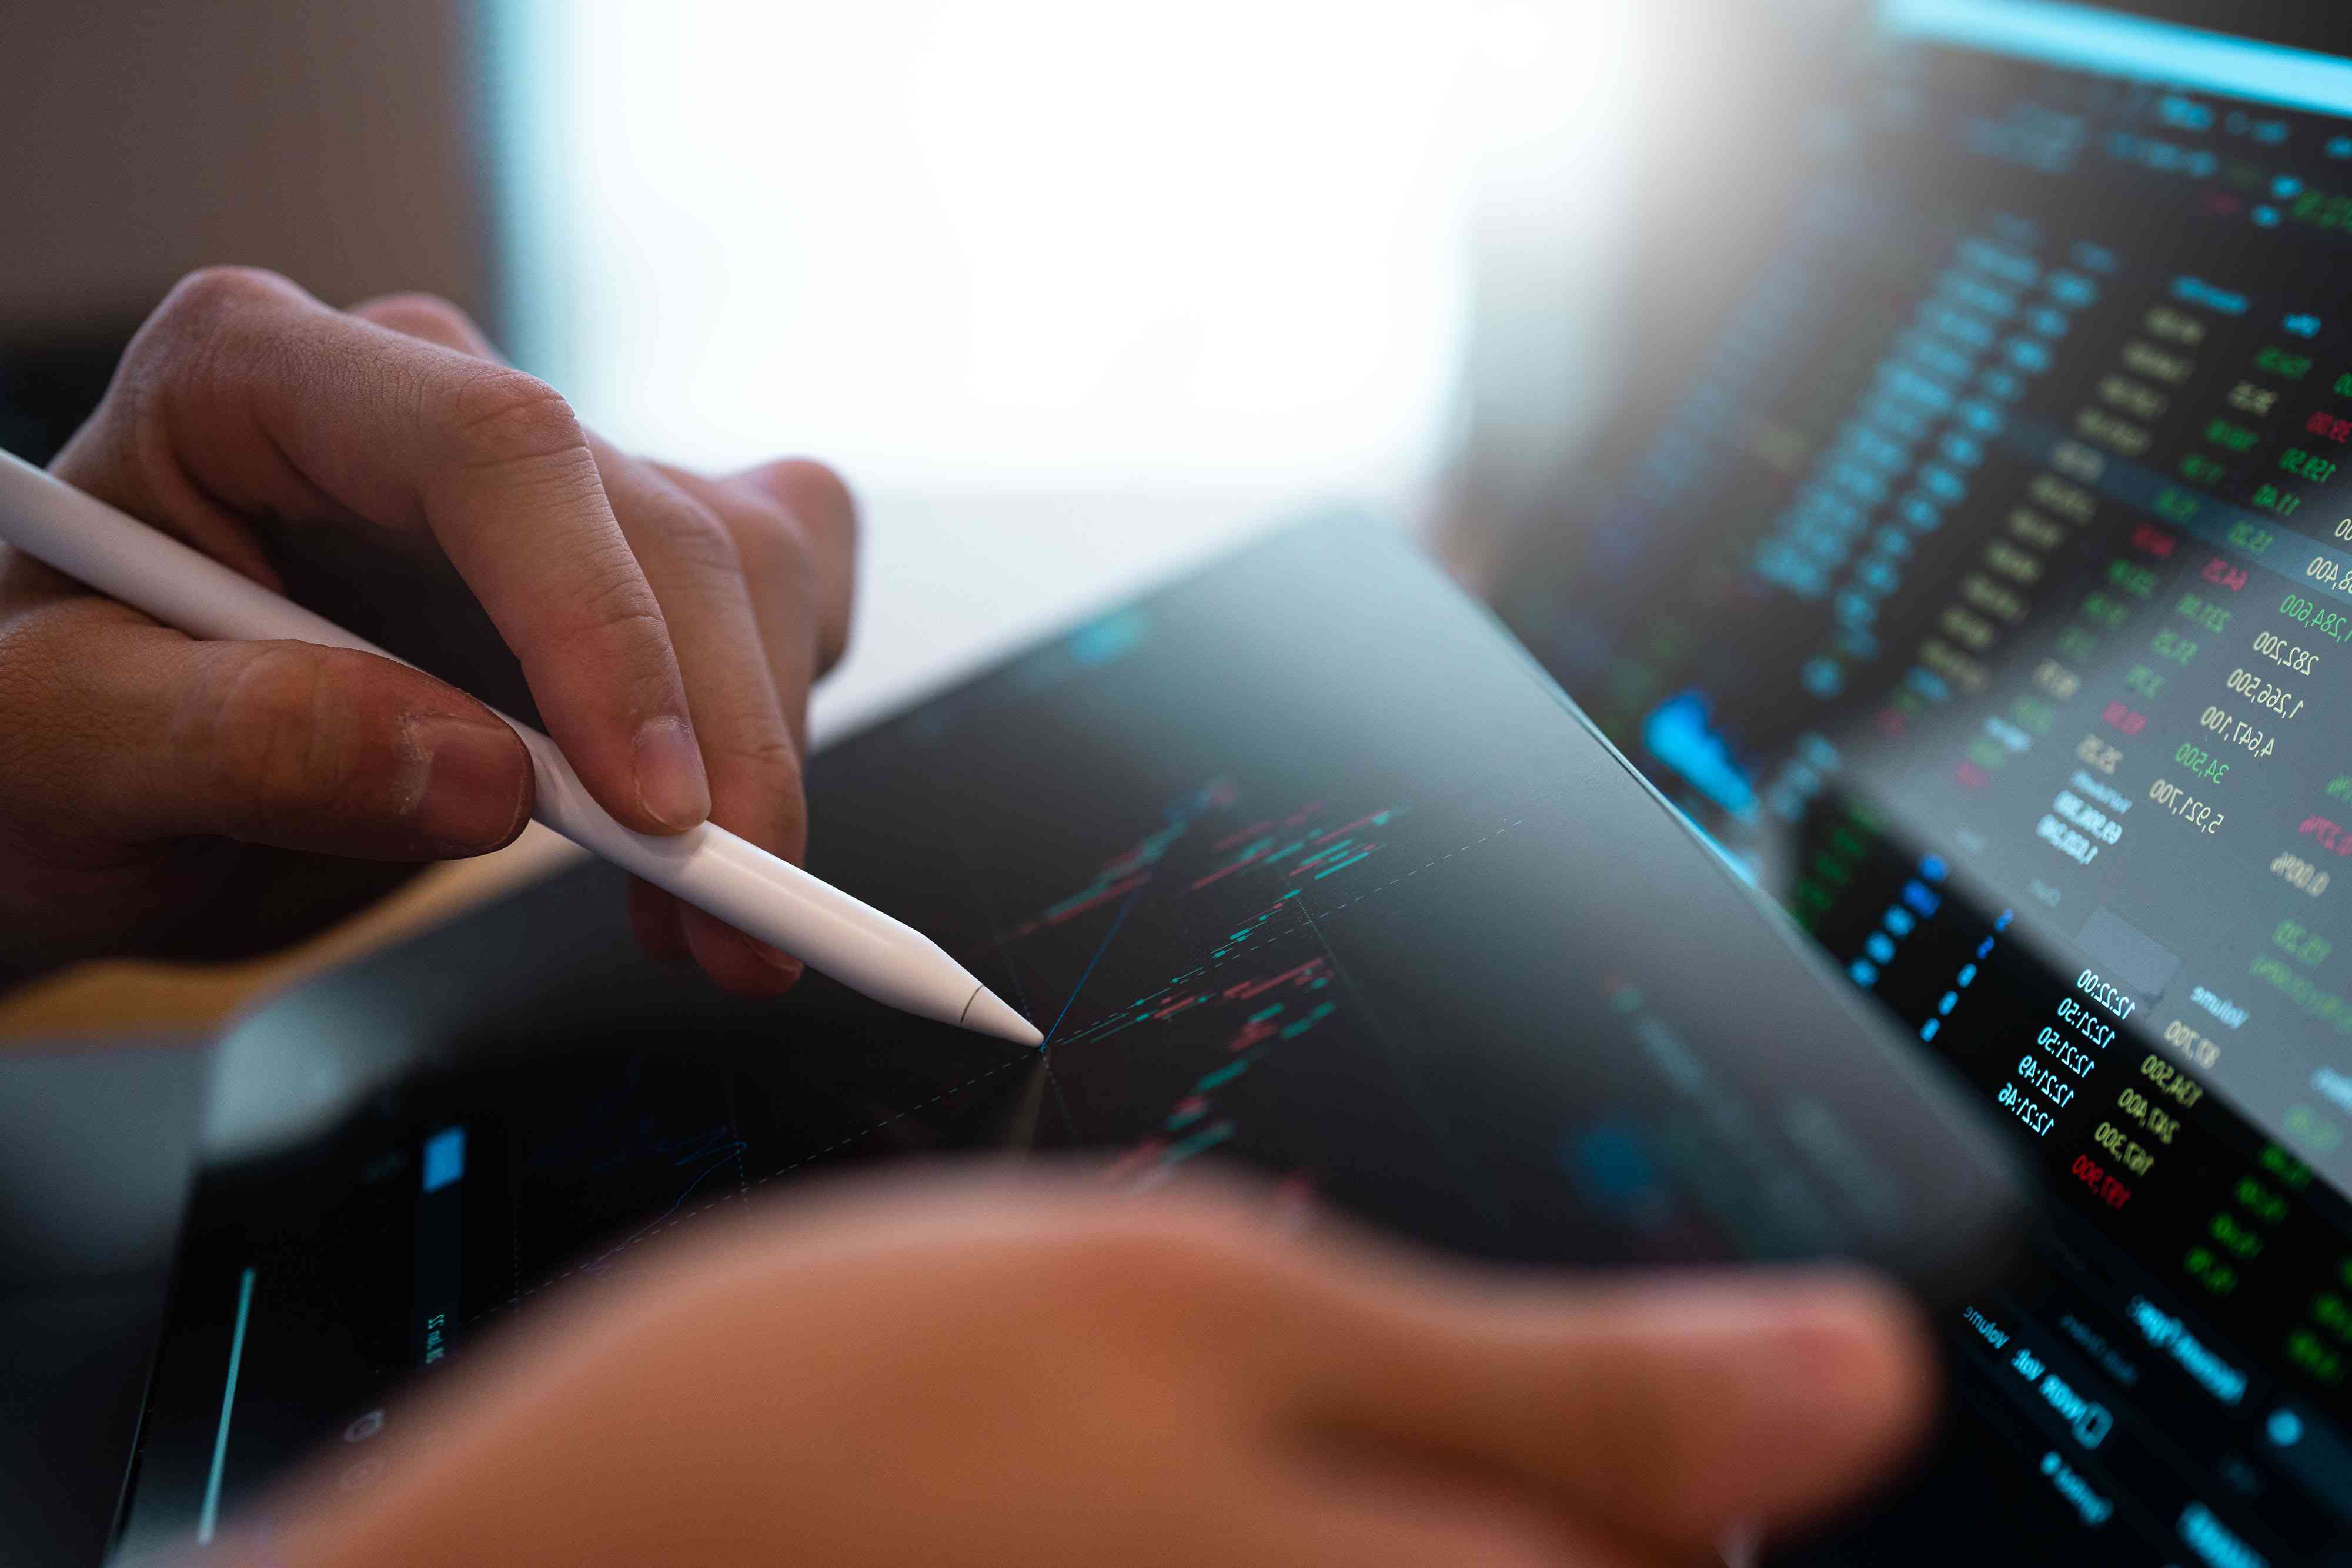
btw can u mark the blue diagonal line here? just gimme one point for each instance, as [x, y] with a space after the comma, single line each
[1125, 906]
[211, 1515]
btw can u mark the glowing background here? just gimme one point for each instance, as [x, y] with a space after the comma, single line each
[1071, 292]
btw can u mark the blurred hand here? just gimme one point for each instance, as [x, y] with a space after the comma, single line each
[1016, 1372]
[164, 795]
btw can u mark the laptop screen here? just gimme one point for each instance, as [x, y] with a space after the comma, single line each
[1988, 596]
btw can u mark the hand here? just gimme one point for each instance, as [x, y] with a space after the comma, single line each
[1021, 1373]
[169, 797]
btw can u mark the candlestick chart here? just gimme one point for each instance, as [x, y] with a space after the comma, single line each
[1228, 910]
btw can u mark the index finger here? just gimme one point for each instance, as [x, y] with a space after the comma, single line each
[245, 394]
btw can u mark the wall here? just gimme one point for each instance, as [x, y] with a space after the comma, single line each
[328, 142]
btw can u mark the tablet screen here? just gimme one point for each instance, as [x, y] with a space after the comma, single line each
[1303, 867]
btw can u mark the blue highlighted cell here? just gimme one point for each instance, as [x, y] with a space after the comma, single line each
[1678, 734]
[445, 1159]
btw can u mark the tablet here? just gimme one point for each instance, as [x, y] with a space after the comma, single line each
[1302, 866]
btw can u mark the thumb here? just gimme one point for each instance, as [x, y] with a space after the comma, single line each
[1669, 1413]
[124, 730]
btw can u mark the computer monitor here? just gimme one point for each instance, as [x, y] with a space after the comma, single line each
[1988, 596]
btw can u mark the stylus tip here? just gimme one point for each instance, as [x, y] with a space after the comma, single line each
[988, 1013]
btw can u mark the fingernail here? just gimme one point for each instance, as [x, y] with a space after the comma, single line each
[671, 784]
[477, 780]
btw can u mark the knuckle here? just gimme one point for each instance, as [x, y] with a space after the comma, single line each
[267, 733]
[616, 606]
[773, 551]
[781, 570]
[808, 545]
[425, 315]
[498, 416]
[698, 537]
[210, 293]
[820, 498]
[615, 595]
[193, 335]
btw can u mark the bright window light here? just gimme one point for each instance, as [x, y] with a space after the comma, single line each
[968, 245]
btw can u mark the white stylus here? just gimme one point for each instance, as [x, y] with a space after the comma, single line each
[707, 866]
